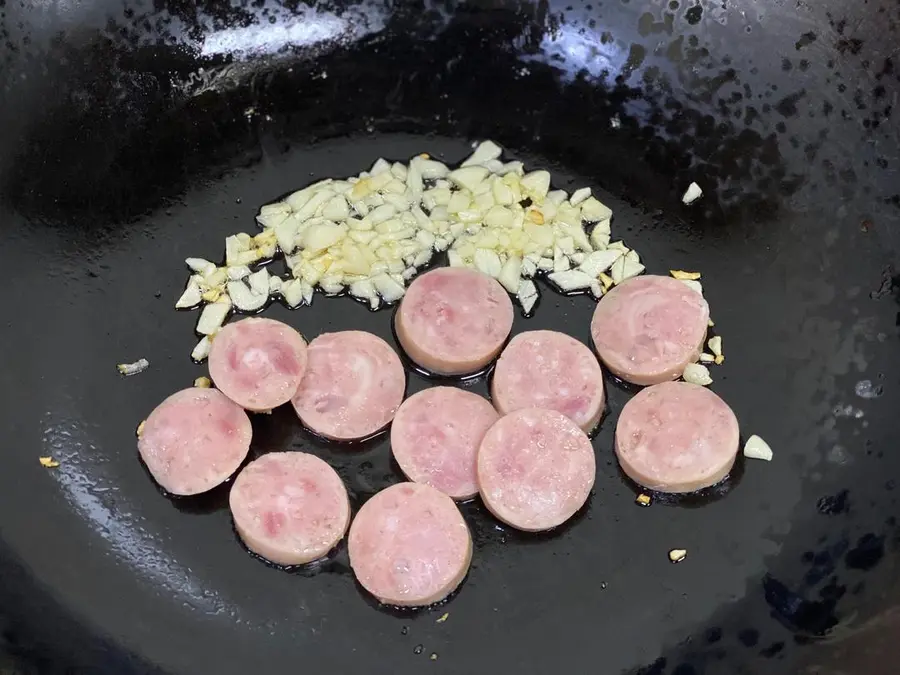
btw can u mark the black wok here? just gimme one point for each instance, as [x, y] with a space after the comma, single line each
[135, 134]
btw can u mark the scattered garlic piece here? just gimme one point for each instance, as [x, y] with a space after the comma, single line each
[697, 374]
[212, 317]
[676, 555]
[203, 382]
[707, 358]
[510, 274]
[536, 184]
[292, 291]
[388, 288]
[191, 297]
[692, 194]
[140, 428]
[681, 275]
[212, 295]
[48, 462]
[599, 261]
[757, 448]
[527, 295]
[570, 280]
[594, 210]
[715, 345]
[643, 500]
[200, 265]
[238, 272]
[579, 196]
[135, 368]
[485, 151]
[468, 177]
[245, 298]
[201, 351]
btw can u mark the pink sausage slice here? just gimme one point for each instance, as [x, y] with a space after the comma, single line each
[289, 507]
[647, 329]
[546, 369]
[453, 320]
[435, 438]
[194, 440]
[676, 437]
[409, 545]
[353, 385]
[258, 363]
[536, 468]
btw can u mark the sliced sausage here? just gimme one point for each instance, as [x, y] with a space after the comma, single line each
[194, 440]
[647, 329]
[535, 469]
[409, 545]
[546, 369]
[435, 438]
[353, 385]
[289, 507]
[454, 320]
[676, 437]
[258, 363]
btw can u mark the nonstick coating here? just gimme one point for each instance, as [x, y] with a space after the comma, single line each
[134, 136]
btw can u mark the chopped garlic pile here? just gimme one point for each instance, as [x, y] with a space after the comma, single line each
[369, 235]
[512, 227]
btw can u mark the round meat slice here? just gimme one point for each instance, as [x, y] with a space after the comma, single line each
[676, 437]
[536, 468]
[647, 329]
[435, 438]
[353, 385]
[194, 440]
[289, 507]
[409, 545]
[550, 370]
[454, 320]
[258, 363]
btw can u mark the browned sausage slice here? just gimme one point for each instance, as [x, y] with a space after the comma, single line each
[289, 507]
[454, 320]
[353, 385]
[536, 468]
[258, 363]
[409, 545]
[547, 369]
[435, 438]
[676, 437]
[194, 440]
[647, 329]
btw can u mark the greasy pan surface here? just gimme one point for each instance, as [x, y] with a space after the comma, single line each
[136, 135]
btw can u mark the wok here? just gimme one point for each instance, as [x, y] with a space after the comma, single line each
[135, 134]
